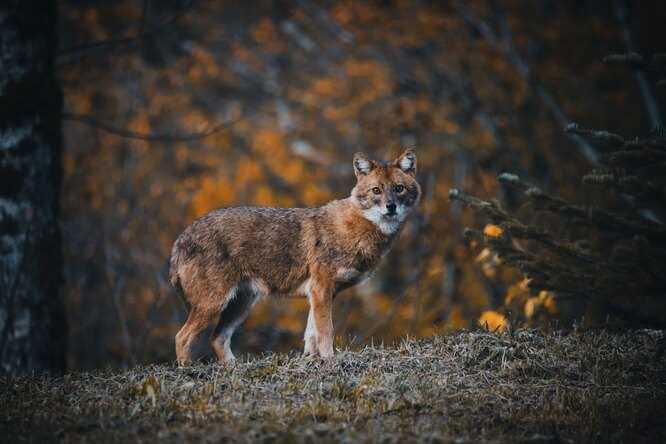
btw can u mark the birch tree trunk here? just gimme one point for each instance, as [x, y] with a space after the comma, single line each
[32, 317]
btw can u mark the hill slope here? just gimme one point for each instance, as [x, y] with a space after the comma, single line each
[526, 386]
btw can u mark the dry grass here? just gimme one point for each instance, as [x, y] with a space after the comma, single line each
[472, 386]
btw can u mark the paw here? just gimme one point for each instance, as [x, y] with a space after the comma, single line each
[184, 362]
[310, 348]
[326, 350]
[227, 361]
[309, 352]
[326, 354]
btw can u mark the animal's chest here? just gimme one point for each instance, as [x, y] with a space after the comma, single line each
[350, 276]
[358, 268]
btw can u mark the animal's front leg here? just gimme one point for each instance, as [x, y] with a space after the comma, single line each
[321, 301]
[310, 337]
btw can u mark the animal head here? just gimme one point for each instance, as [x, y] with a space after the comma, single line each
[386, 192]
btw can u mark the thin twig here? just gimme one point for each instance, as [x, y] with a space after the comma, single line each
[143, 32]
[155, 137]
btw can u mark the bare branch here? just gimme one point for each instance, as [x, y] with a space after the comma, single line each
[143, 32]
[155, 137]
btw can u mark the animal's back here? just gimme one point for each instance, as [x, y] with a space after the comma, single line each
[232, 244]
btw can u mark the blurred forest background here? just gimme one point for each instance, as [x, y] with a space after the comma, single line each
[177, 107]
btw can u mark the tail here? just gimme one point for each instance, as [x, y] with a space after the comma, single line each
[174, 278]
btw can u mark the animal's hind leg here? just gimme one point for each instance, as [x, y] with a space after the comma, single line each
[233, 315]
[198, 320]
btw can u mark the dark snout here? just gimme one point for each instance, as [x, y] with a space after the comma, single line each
[390, 208]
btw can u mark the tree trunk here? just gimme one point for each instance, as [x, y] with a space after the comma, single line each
[32, 317]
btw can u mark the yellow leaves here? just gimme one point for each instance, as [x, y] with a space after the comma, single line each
[247, 171]
[493, 320]
[140, 124]
[544, 303]
[268, 142]
[376, 76]
[327, 86]
[517, 293]
[377, 81]
[213, 193]
[194, 121]
[342, 14]
[264, 197]
[293, 171]
[182, 154]
[203, 64]
[246, 56]
[493, 230]
[361, 68]
[265, 33]
[314, 195]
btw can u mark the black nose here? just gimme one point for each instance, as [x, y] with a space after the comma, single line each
[391, 208]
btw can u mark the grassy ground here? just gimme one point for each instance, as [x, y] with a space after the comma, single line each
[467, 387]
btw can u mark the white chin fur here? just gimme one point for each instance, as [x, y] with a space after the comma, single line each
[386, 226]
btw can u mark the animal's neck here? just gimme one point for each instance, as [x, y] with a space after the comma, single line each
[364, 232]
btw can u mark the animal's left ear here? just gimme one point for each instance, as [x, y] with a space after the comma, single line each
[407, 162]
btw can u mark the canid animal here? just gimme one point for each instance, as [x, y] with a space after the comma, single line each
[225, 260]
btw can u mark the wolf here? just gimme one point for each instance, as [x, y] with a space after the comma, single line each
[226, 260]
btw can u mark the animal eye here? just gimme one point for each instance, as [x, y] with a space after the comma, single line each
[399, 189]
[377, 190]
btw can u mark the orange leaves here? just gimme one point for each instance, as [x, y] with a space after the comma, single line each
[315, 195]
[245, 55]
[543, 304]
[213, 193]
[247, 172]
[140, 124]
[493, 230]
[375, 76]
[264, 197]
[266, 34]
[194, 121]
[327, 87]
[270, 144]
[493, 320]
[359, 12]
[203, 63]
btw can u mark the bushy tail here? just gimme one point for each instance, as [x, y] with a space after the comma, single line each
[174, 278]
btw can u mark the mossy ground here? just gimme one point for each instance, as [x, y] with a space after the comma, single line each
[524, 386]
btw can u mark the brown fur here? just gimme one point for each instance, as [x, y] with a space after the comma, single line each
[228, 258]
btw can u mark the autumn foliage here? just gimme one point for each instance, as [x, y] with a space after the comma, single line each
[217, 104]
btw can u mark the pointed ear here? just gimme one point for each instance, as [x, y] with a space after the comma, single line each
[407, 162]
[362, 164]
